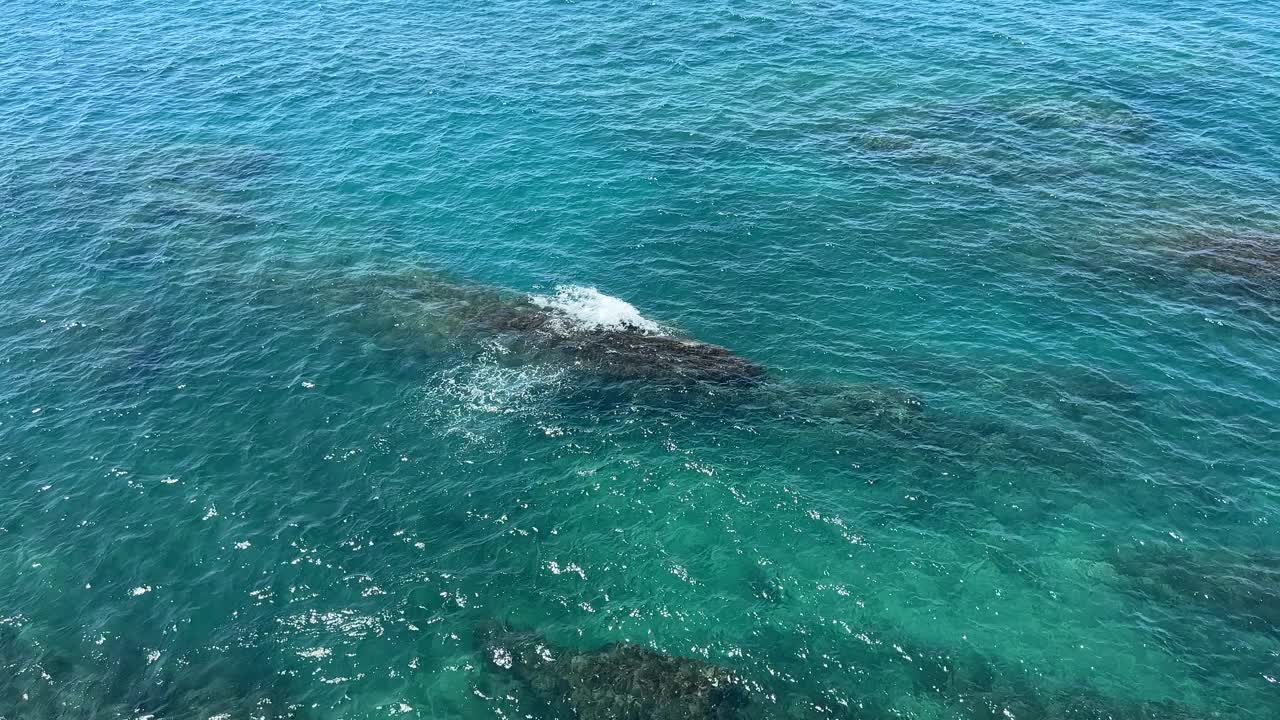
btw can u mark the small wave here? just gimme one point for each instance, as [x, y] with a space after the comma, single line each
[586, 308]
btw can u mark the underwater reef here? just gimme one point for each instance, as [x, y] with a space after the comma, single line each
[1078, 704]
[600, 334]
[597, 336]
[577, 327]
[618, 682]
[625, 681]
[1231, 267]
[38, 682]
[618, 357]
[1252, 259]
[1240, 588]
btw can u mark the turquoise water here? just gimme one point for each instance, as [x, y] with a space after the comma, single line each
[283, 434]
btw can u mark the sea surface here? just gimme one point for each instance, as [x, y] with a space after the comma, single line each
[875, 360]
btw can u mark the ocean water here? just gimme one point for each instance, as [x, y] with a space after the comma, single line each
[350, 349]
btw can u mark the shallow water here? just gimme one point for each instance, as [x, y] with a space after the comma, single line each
[279, 440]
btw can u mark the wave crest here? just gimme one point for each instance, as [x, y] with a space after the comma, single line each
[586, 308]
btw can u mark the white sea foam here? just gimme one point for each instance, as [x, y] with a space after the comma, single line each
[477, 399]
[586, 308]
[486, 387]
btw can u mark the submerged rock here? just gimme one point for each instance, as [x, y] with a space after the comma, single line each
[1076, 385]
[885, 142]
[626, 354]
[1251, 257]
[608, 336]
[618, 682]
[620, 355]
[765, 585]
[1241, 589]
[881, 405]
[974, 686]
[578, 327]
[38, 682]
[1080, 705]
[1099, 117]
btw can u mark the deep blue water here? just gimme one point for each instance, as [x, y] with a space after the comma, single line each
[337, 335]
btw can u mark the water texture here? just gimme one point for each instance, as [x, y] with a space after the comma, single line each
[670, 360]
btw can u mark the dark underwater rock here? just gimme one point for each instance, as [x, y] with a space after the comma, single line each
[885, 142]
[621, 350]
[1239, 267]
[1243, 589]
[978, 687]
[880, 405]
[241, 683]
[626, 354]
[1021, 701]
[202, 167]
[1251, 257]
[765, 585]
[627, 348]
[618, 682]
[1098, 117]
[1080, 384]
[38, 682]
[619, 355]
